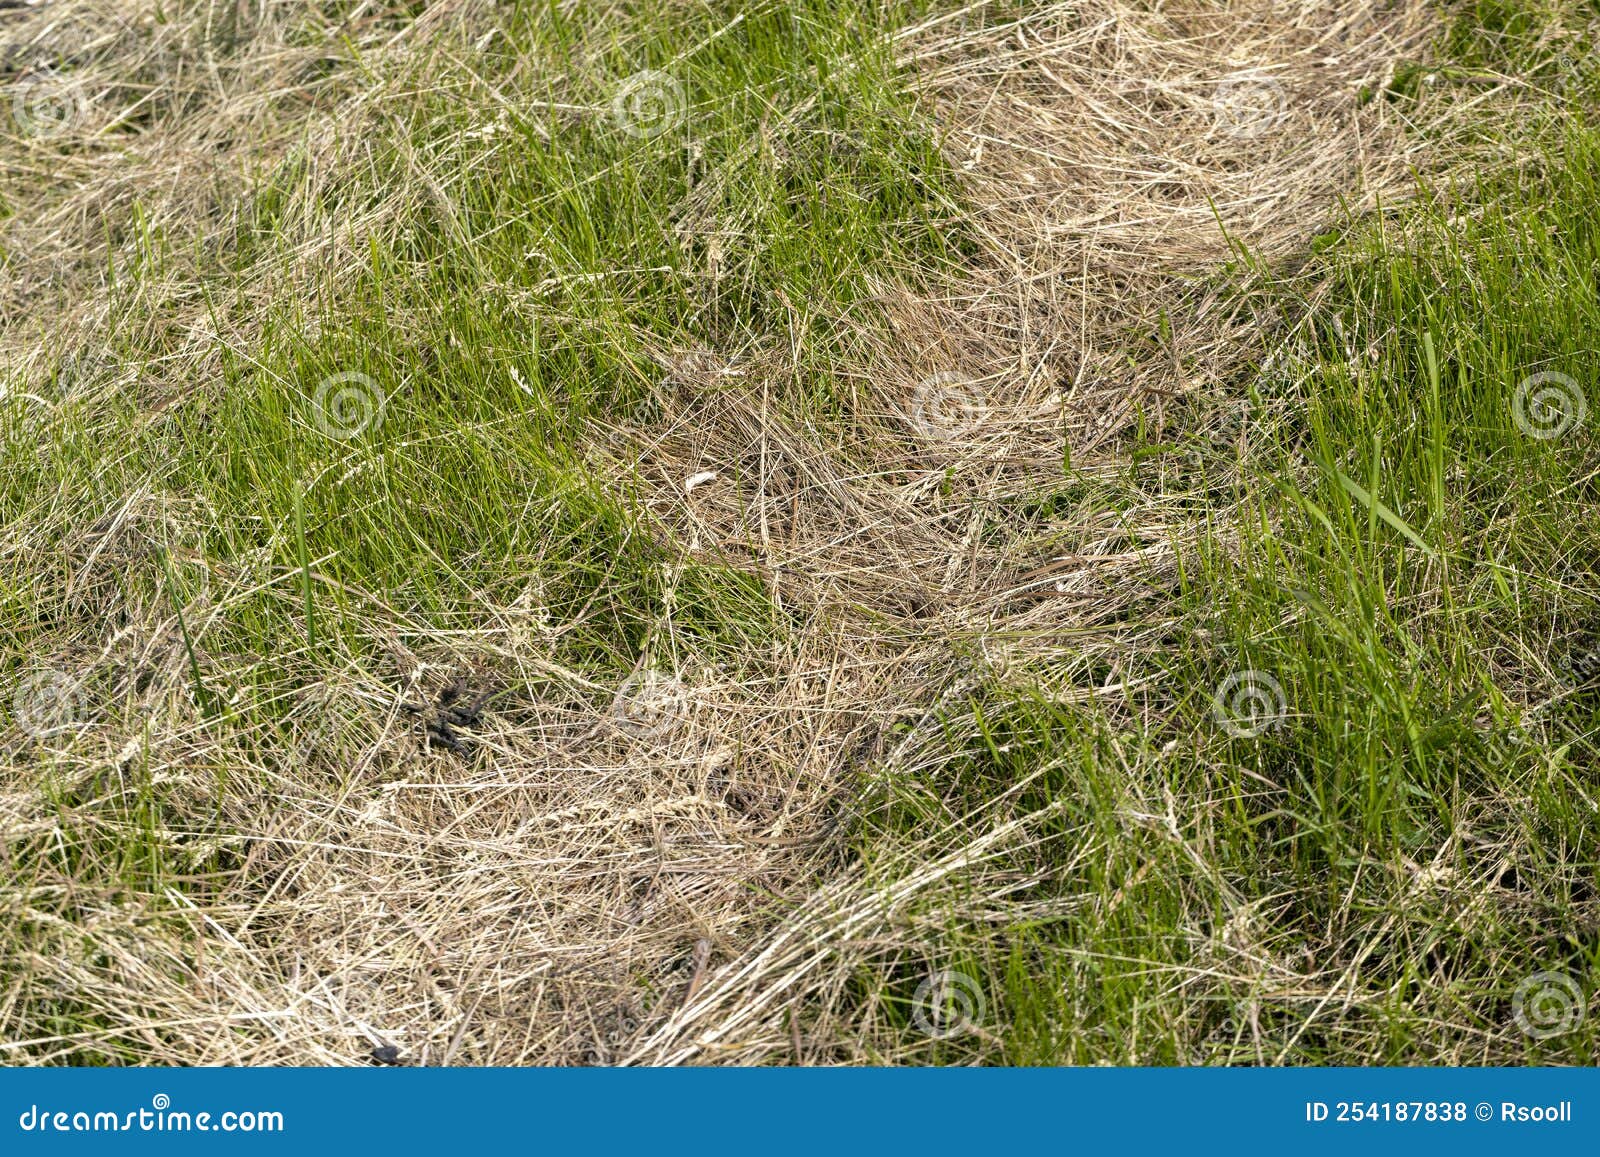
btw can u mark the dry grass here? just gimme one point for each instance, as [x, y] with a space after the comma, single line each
[1107, 180]
[1114, 158]
[581, 892]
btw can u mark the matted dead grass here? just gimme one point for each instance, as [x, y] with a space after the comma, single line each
[149, 120]
[1116, 157]
[597, 893]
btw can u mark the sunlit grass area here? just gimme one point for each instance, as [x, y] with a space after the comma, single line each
[1360, 738]
[508, 559]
